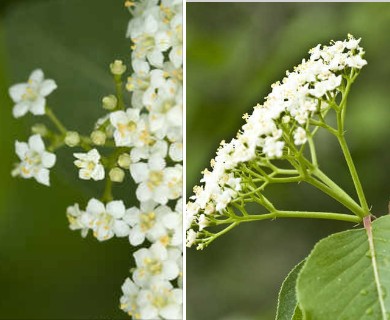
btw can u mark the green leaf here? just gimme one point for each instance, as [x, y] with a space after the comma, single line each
[347, 275]
[297, 314]
[287, 301]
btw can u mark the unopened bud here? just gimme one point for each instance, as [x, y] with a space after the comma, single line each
[286, 119]
[109, 102]
[98, 137]
[117, 68]
[39, 128]
[124, 160]
[72, 139]
[116, 174]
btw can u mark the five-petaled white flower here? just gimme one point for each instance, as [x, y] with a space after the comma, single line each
[90, 166]
[127, 126]
[35, 160]
[155, 262]
[30, 96]
[106, 220]
[160, 300]
[147, 222]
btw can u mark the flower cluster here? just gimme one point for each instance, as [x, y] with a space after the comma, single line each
[142, 138]
[153, 130]
[31, 96]
[276, 128]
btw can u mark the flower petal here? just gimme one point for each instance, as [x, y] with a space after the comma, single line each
[139, 171]
[36, 143]
[38, 106]
[95, 207]
[47, 87]
[48, 159]
[37, 75]
[116, 209]
[20, 109]
[21, 148]
[16, 91]
[42, 176]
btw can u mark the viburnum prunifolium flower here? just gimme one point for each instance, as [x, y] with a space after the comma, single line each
[30, 96]
[90, 166]
[276, 128]
[35, 160]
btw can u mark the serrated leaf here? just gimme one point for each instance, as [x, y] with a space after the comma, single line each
[347, 275]
[287, 301]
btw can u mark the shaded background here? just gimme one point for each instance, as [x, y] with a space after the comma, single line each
[235, 51]
[46, 270]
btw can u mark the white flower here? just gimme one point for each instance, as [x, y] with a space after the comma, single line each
[90, 166]
[160, 300]
[191, 238]
[30, 96]
[126, 126]
[156, 182]
[176, 151]
[159, 148]
[128, 300]
[300, 136]
[106, 220]
[165, 108]
[35, 160]
[154, 263]
[176, 53]
[273, 148]
[151, 41]
[74, 215]
[146, 222]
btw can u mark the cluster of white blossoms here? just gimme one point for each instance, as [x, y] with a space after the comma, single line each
[152, 128]
[285, 114]
[143, 140]
[31, 96]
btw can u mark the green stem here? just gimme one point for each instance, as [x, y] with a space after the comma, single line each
[107, 195]
[55, 120]
[119, 92]
[345, 149]
[295, 214]
[336, 193]
[354, 175]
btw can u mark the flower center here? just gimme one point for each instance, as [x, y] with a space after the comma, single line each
[153, 266]
[30, 94]
[148, 220]
[155, 179]
[125, 128]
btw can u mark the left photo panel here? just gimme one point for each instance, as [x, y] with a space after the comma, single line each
[91, 139]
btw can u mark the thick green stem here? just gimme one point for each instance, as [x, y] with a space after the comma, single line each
[336, 193]
[354, 175]
[346, 152]
[294, 214]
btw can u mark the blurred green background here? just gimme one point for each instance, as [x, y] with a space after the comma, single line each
[46, 270]
[235, 51]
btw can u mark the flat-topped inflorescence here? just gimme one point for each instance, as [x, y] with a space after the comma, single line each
[277, 129]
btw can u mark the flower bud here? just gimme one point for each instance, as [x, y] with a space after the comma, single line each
[39, 128]
[72, 139]
[109, 102]
[117, 68]
[124, 160]
[116, 174]
[98, 137]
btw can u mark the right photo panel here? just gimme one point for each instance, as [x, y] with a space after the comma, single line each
[287, 112]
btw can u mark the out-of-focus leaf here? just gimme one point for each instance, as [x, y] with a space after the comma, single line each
[287, 300]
